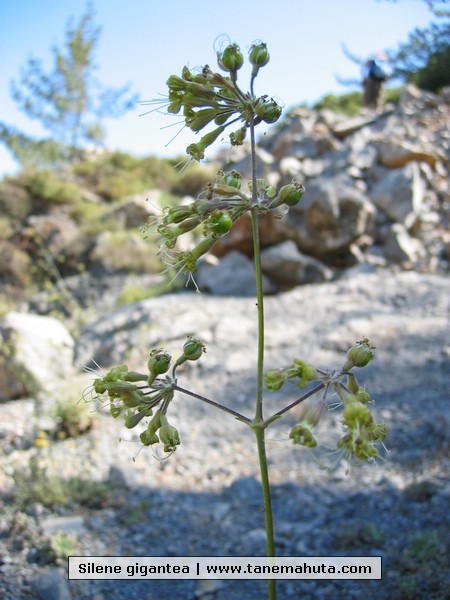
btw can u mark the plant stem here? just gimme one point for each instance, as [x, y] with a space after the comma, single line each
[311, 392]
[267, 499]
[230, 411]
[259, 417]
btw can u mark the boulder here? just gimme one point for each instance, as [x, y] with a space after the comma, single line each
[331, 216]
[400, 247]
[396, 153]
[399, 192]
[56, 242]
[36, 355]
[234, 276]
[287, 267]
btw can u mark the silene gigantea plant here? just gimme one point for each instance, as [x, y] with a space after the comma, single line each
[213, 100]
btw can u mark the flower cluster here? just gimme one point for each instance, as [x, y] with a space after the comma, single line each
[203, 99]
[138, 396]
[215, 211]
[210, 98]
[362, 434]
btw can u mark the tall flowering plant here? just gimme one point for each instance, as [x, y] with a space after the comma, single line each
[208, 98]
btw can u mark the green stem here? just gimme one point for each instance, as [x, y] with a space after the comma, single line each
[258, 423]
[267, 499]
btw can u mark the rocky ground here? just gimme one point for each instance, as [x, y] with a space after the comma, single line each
[206, 499]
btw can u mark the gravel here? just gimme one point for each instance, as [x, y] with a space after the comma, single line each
[205, 500]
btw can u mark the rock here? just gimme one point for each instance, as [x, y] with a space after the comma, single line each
[135, 210]
[287, 267]
[233, 275]
[400, 247]
[345, 128]
[363, 152]
[240, 237]
[57, 243]
[399, 193]
[331, 216]
[51, 585]
[396, 153]
[36, 354]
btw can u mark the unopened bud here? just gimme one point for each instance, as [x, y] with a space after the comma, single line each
[230, 59]
[259, 55]
[359, 355]
[193, 348]
[232, 179]
[289, 194]
[268, 111]
[158, 363]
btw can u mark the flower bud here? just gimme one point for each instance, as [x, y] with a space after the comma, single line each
[158, 363]
[99, 386]
[186, 74]
[259, 55]
[230, 59]
[359, 355]
[222, 117]
[290, 195]
[174, 107]
[193, 348]
[268, 111]
[232, 179]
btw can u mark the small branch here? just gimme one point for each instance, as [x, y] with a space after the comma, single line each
[230, 411]
[301, 399]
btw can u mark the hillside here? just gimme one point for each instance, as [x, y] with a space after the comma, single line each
[365, 253]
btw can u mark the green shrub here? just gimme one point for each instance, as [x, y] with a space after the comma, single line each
[46, 188]
[115, 175]
[348, 104]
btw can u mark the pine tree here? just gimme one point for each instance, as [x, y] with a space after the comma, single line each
[68, 101]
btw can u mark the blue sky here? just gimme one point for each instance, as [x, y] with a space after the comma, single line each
[144, 41]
